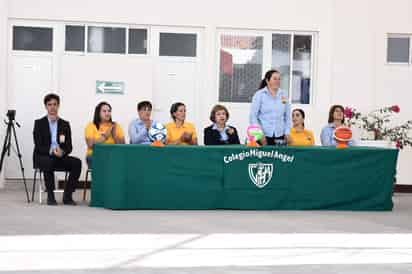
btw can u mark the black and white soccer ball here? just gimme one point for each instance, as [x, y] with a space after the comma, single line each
[157, 132]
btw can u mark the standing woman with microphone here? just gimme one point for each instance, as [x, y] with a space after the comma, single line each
[270, 110]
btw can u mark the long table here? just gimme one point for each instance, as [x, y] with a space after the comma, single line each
[240, 177]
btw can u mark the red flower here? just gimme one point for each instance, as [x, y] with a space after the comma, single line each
[348, 112]
[398, 143]
[395, 108]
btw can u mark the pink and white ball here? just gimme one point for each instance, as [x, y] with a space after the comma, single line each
[254, 133]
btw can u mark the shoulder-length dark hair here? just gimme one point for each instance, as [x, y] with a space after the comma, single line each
[96, 117]
[301, 113]
[332, 110]
[268, 75]
[174, 108]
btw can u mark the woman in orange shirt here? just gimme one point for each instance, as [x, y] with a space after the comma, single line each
[180, 132]
[299, 136]
[102, 130]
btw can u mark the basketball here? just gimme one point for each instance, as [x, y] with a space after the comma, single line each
[343, 133]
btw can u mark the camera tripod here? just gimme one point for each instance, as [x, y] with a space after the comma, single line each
[11, 130]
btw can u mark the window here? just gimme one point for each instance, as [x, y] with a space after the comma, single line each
[138, 41]
[244, 61]
[32, 38]
[296, 69]
[281, 46]
[398, 49]
[106, 40]
[301, 73]
[241, 59]
[75, 36]
[177, 44]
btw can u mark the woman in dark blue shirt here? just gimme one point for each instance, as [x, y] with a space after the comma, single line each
[220, 133]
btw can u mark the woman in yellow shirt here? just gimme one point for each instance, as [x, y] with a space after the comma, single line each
[299, 136]
[180, 132]
[102, 130]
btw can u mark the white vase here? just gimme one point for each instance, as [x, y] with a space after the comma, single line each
[368, 135]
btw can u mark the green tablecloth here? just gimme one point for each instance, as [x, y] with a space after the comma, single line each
[239, 177]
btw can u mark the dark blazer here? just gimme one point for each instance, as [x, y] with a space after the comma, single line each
[212, 137]
[42, 137]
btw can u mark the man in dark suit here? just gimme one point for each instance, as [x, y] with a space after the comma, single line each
[52, 146]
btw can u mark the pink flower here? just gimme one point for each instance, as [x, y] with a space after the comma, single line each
[395, 108]
[348, 112]
[398, 143]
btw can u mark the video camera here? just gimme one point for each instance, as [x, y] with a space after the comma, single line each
[11, 114]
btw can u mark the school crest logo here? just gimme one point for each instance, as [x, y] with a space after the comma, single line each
[260, 174]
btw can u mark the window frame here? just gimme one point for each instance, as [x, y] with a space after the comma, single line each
[398, 35]
[235, 32]
[267, 57]
[31, 24]
[100, 25]
[75, 52]
[156, 30]
[147, 40]
[107, 25]
[196, 36]
[312, 66]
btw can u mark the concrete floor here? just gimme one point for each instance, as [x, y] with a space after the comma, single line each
[37, 238]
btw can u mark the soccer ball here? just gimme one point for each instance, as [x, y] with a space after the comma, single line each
[157, 133]
[254, 133]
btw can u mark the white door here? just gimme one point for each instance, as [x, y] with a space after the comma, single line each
[174, 81]
[32, 70]
[29, 80]
[176, 71]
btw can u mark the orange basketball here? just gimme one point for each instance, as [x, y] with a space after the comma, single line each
[343, 133]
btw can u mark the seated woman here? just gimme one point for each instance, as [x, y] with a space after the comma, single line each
[102, 130]
[180, 132]
[220, 133]
[336, 119]
[299, 136]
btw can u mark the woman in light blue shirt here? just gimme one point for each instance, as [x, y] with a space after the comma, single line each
[271, 110]
[336, 119]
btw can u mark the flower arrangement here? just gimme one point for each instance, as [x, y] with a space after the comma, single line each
[377, 125]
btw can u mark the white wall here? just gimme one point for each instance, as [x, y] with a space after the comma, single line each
[353, 54]
[3, 58]
[350, 52]
[394, 82]
[361, 77]
[78, 88]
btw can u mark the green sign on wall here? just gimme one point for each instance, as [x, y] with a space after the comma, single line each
[109, 87]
